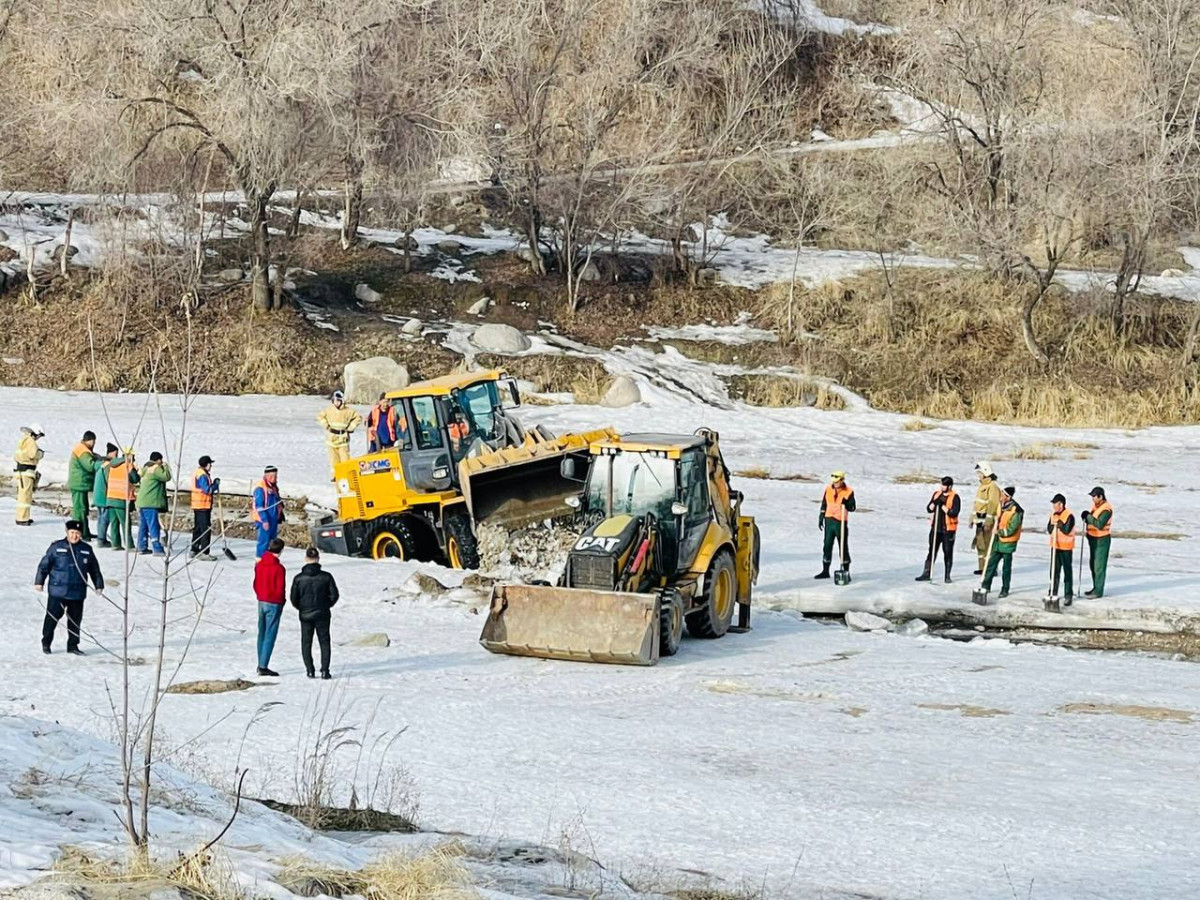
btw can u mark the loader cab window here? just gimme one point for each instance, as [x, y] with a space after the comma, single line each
[425, 426]
[632, 484]
[478, 403]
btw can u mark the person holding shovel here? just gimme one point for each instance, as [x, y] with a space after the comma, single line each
[1099, 536]
[987, 508]
[833, 519]
[204, 487]
[1061, 529]
[945, 505]
[1004, 542]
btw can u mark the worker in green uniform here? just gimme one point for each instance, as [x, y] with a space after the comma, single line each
[1007, 534]
[1099, 535]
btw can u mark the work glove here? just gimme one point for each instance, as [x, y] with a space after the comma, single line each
[820, 523]
[216, 484]
[1049, 527]
[1087, 517]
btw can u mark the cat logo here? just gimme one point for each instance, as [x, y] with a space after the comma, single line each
[603, 544]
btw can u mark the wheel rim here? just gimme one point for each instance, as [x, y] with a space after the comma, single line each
[454, 553]
[387, 546]
[723, 594]
[676, 621]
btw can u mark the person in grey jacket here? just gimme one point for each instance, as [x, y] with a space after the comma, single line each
[68, 564]
[314, 594]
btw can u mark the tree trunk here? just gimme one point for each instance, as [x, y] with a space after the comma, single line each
[260, 253]
[294, 223]
[1027, 331]
[533, 229]
[352, 214]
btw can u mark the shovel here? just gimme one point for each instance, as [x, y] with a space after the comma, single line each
[224, 540]
[979, 596]
[1050, 602]
[841, 577]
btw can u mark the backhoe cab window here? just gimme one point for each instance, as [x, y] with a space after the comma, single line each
[426, 426]
[632, 484]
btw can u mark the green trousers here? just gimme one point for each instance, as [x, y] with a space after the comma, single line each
[833, 534]
[118, 528]
[1098, 562]
[1063, 567]
[81, 509]
[1004, 562]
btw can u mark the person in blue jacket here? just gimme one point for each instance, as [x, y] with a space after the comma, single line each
[68, 564]
[266, 509]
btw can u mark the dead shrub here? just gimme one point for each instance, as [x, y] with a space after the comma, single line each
[780, 391]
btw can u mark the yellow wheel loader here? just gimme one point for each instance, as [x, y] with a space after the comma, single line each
[664, 546]
[461, 457]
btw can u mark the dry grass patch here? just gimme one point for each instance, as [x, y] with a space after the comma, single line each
[199, 876]
[760, 473]
[1150, 713]
[1074, 445]
[781, 391]
[211, 686]
[1145, 487]
[437, 874]
[1036, 452]
[971, 712]
[914, 478]
[917, 425]
[1148, 535]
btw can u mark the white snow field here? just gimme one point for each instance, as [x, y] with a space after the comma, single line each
[803, 759]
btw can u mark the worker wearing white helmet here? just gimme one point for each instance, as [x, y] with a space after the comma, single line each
[339, 421]
[27, 457]
[987, 508]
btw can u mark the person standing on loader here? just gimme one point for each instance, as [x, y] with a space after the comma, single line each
[384, 427]
[151, 503]
[204, 487]
[27, 457]
[1007, 534]
[266, 509]
[1099, 536]
[120, 495]
[100, 495]
[1061, 529]
[339, 422]
[81, 480]
[833, 519]
[945, 505]
[987, 508]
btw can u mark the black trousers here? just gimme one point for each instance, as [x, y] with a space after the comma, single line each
[944, 541]
[56, 607]
[201, 530]
[307, 628]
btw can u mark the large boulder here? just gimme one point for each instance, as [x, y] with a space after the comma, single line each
[407, 242]
[480, 306]
[449, 247]
[364, 293]
[366, 379]
[497, 338]
[230, 276]
[375, 639]
[624, 391]
[590, 272]
[3, 235]
[865, 621]
[412, 327]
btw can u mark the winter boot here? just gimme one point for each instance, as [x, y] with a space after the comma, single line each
[924, 576]
[325, 676]
[824, 573]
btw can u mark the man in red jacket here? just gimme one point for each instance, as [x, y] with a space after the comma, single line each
[269, 581]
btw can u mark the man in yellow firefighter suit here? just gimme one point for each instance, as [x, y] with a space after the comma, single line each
[27, 457]
[987, 508]
[339, 421]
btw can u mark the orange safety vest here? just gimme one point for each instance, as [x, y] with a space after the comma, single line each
[396, 424]
[200, 500]
[119, 487]
[1006, 517]
[835, 502]
[270, 498]
[951, 521]
[1092, 530]
[1059, 540]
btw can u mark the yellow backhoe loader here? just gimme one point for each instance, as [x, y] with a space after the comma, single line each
[664, 545]
[461, 458]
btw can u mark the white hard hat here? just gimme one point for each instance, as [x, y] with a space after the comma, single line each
[36, 429]
[984, 468]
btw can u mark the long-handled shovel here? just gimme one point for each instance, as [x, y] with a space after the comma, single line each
[1050, 601]
[1082, 540]
[979, 596]
[224, 540]
[842, 576]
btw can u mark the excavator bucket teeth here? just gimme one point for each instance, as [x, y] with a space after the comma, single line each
[572, 624]
[517, 486]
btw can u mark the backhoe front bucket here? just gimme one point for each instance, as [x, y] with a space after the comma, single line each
[517, 486]
[572, 624]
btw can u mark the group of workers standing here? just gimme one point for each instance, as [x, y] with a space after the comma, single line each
[998, 521]
[386, 427]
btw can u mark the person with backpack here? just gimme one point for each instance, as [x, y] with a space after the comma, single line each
[314, 594]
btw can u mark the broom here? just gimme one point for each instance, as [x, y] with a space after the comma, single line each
[224, 540]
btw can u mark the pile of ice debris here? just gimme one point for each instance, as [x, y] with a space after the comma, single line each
[536, 552]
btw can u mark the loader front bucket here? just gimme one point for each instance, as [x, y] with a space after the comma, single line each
[572, 624]
[517, 486]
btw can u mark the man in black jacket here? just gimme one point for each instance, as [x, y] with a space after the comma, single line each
[314, 593]
[945, 505]
[69, 564]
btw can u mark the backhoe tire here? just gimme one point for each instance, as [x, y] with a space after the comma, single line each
[720, 596]
[393, 537]
[670, 622]
[462, 548]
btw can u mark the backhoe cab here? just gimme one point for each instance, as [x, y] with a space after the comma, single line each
[461, 457]
[664, 545]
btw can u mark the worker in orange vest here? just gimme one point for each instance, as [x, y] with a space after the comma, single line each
[1061, 529]
[1099, 536]
[945, 505]
[834, 520]
[119, 496]
[1005, 538]
[204, 487]
[385, 428]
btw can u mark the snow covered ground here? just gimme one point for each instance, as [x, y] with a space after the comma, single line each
[802, 757]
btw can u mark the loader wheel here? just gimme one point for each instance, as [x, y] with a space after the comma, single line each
[393, 538]
[670, 622]
[716, 612]
[462, 549]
